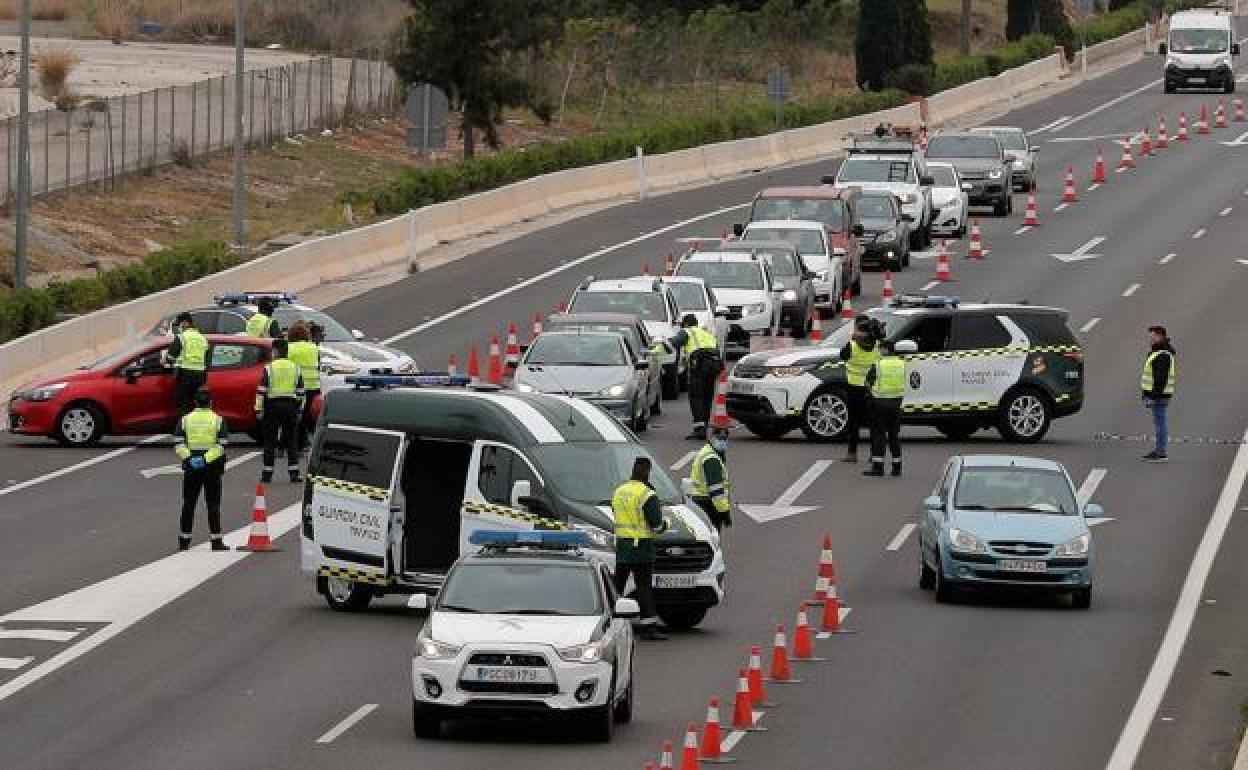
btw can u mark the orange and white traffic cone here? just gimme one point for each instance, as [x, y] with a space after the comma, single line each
[976, 250]
[537, 326]
[719, 409]
[665, 759]
[474, 366]
[781, 672]
[496, 362]
[712, 751]
[1031, 218]
[816, 328]
[258, 539]
[743, 706]
[804, 640]
[1239, 110]
[1163, 139]
[1202, 125]
[1126, 161]
[1146, 144]
[451, 368]
[831, 621]
[942, 263]
[847, 305]
[669, 264]
[887, 295]
[1219, 115]
[1069, 194]
[826, 569]
[1098, 169]
[689, 752]
[513, 347]
[758, 694]
[1181, 136]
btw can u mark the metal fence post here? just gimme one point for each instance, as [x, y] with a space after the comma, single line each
[223, 102]
[138, 160]
[292, 80]
[9, 165]
[123, 133]
[368, 81]
[86, 179]
[112, 173]
[155, 126]
[268, 108]
[251, 108]
[320, 78]
[307, 100]
[69, 148]
[193, 116]
[329, 119]
[47, 150]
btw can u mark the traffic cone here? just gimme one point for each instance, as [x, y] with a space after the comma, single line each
[474, 366]
[1069, 194]
[258, 539]
[781, 672]
[743, 706]
[804, 640]
[1163, 141]
[669, 264]
[825, 558]
[665, 759]
[648, 766]
[816, 328]
[1031, 218]
[758, 695]
[537, 326]
[645, 268]
[451, 368]
[1181, 136]
[942, 263]
[712, 752]
[513, 347]
[1202, 125]
[496, 362]
[719, 410]
[1126, 161]
[831, 621]
[976, 250]
[886, 294]
[689, 753]
[847, 305]
[1219, 117]
[1146, 144]
[1098, 170]
[1239, 110]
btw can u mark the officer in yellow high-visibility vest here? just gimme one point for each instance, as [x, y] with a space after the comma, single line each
[711, 489]
[201, 437]
[638, 516]
[262, 324]
[887, 380]
[701, 350]
[307, 354]
[858, 354]
[188, 355]
[1161, 370]
[279, 398]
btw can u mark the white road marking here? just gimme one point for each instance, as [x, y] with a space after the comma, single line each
[1089, 325]
[1022, 230]
[1094, 187]
[783, 506]
[176, 468]
[1090, 484]
[1242, 261]
[929, 285]
[1050, 126]
[844, 613]
[1226, 211]
[1198, 234]
[77, 466]
[1239, 141]
[352, 719]
[1106, 105]
[731, 740]
[13, 664]
[1060, 207]
[1132, 289]
[1145, 710]
[555, 271]
[1166, 259]
[900, 538]
[124, 600]
[1121, 169]
[38, 634]
[684, 460]
[1083, 252]
[1116, 138]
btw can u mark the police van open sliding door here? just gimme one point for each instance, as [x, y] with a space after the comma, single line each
[353, 488]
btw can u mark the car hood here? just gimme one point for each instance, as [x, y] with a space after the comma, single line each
[1022, 155]
[873, 225]
[807, 354]
[683, 524]
[360, 352]
[943, 196]
[740, 296]
[459, 628]
[572, 380]
[76, 375]
[973, 164]
[1037, 527]
[660, 329]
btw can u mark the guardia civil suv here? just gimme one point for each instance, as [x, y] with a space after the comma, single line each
[1014, 367]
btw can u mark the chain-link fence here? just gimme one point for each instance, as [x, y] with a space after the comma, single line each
[101, 139]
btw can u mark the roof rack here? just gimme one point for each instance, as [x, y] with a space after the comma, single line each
[925, 300]
[893, 143]
[252, 297]
[428, 380]
[544, 540]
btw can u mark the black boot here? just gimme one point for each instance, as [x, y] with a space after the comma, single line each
[218, 544]
[184, 543]
[266, 477]
[876, 469]
[851, 456]
[896, 467]
[294, 477]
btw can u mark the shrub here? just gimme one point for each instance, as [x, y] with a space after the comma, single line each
[55, 64]
[1107, 26]
[180, 152]
[956, 70]
[112, 18]
[912, 78]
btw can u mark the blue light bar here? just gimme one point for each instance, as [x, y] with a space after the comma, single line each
[928, 300]
[252, 297]
[427, 380]
[533, 539]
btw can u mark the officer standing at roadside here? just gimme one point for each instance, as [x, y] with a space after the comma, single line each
[711, 489]
[705, 363]
[1161, 370]
[188, 355]
[638, 516]
[887, 380]
[307, 355]
[279, 398]
[202, 436]
[262, 324]
[858, 354]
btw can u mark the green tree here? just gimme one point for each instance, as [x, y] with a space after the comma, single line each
[471, 50]
[891, 35]
[1039, 17]
[1020, 17]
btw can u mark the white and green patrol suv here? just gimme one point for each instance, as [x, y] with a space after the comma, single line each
[1012, 367]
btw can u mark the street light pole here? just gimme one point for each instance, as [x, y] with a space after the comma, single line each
[23, 152]
[240, 200]
[964, 40]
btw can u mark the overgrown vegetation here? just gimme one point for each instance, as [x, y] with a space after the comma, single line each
[55, 63]
[893, 36]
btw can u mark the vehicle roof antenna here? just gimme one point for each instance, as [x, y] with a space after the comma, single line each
[564, 390]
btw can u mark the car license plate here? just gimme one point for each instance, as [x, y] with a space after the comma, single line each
[1196, 80]
[1021, 565]
[675, 581]
[736, 386]
[509, 674]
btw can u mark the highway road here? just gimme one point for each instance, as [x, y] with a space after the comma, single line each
[211, 661]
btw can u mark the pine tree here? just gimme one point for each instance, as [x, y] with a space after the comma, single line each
[891, 35]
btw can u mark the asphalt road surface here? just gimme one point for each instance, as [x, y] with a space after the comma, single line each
[210, 661]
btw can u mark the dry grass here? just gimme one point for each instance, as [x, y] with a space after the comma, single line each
[55, 64]
[113, 19]
[41, 10]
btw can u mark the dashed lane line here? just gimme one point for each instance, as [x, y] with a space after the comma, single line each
[1132, 289]
[77, 466]
[1166, 259]
[1199, 234]
[1051, 126]
[13, 664]
[1091, 484]
[900, 538]
[38, 634]
[1023, 230]
[1106, 105]
[1091, 324]
[1094, 187]
[929, 285]
[1226, 211]
[350, 721]
[684, 460]
[1060, 207]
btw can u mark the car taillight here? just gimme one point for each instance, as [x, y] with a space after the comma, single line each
[1074, 355]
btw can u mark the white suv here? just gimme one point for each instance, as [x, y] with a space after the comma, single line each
[893, 166]
[745, 290]
[816, 251]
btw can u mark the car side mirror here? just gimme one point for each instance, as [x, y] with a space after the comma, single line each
[827, 179]
[907, 217]
[905, 347]
[1034, 150]
[521, 489]
[933, 503]
[721, 312]
[357, 335]
[1234, 49]
[738, 229]
[1162, 49]
[927, 181]
[418, 602]
[686, 486]
[626, 608]
[132, 373]
[1092, 510]
[858, 230]
[642, 365]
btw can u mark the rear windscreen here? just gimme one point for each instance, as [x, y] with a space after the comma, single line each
[1045, 328]
[356, 456]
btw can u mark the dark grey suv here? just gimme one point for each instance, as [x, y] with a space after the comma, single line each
[983, 165]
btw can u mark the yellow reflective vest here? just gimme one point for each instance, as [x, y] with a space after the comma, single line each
[859, 363]
[1146, 378]
[719, 493]
[258, 325]
[890, 378]
[627, 504]
[308, 356]
[194, 355]
[697, 338]
[200, 431]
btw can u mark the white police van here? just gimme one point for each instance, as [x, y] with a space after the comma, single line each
[403, 470]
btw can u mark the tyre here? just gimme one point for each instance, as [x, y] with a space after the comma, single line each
[600, 720]
[905, 261]
[425, 722]
[944, 591]
[1168, 87]
[1024, 416]
[927, 575]
[927, 236]
[999, 209]
[1081, 598]
[1229, 86]
[856, 288]
[682, 618]
[624, 706]
[767, 430]
[958, 431]
[826, 416]
[80, 425]
[1009, 204]
[671, 384]
[344, 595]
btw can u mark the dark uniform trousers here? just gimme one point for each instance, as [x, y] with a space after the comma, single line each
[185, 383]
[704, 370]
[209, 480]
[643, 579]
[281, 416]
[859, 414]
[708, 507]
[886, 427]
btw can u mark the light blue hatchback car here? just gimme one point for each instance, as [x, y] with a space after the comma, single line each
[1006, 521]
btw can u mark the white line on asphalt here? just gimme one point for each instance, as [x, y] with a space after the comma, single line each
[1166, 259]
[1242, 261]
[1132, 289]
[13, 664]
[1090, 484]
[731, 740]
[1088, 326]
[1050, 126]
[1060, 207]
[684, 460]
[803, 482]
[1226, 211]
[929, 286]
[554, 271]
[900, 538]
[1022, 230]
[1120, 169]
[38, 634]
[844, 613]
[77, 466]
[352, 719]
[176, 468]
[1133, 734]
[1106, 105]
[1199, 233]
[1094, 187]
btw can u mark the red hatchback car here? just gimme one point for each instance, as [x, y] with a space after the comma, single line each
[131, 393]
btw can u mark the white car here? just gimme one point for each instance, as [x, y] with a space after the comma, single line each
[891, 164]
[949, 201]
[817, 252]
[745, 290]
[694, 297]
[528, 626]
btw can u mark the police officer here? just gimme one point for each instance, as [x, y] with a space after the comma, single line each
[858, 354]
[189, 357]
[702, 352]
[638, 516]
[887, 380]
[262, 324]
[711, 489]
[1157, 380]
[307, 354]
[278, 401]
[201, 437]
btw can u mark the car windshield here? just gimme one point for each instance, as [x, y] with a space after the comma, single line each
[1010, 140]
[724, 275]
[628, 331]
[875, 207]
[690, 297]
[116, 359]
[521, 588]
[1199, 40]
[805, 241]
[648, 305]
[576, 350]
[589, 472]
[1030, 490]
[964, 147]
[782, 262]
[943, 176]
[872, 170]
[831, 213]
[285, 315]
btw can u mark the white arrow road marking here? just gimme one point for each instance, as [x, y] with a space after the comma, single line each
[929, 285]
[1132, 289]
[1226, 211]
[1087, 327]
[1094, 187]
[1242, 261]
[78, 466]
[1199, 234]
[684, 460]
[1090, 484]
[783, 506]
[900, 538]
[1083, 252]
[1060, 207]
[13, 664]
[346, 724]
[1166, 259]
[1238, 141]
[38, 634]
[176, 468]
[121, 601]
[1023, 230]
[1051, 126]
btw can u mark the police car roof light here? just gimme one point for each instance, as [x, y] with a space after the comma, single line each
[501, 539]
[252, 297]
[926, 300]
[428, 380]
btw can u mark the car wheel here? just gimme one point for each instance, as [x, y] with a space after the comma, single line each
[916, 240]
[1081, 598]
[682, 618]
[927, 575]
[998, 209]
[80, 425]
[1229, 87]
[958, 430]
[344, 595]
[1009, 204]
[1024, 416]
[826, 416]
[944, 591]
[1168, 87]
[856, 288]
[600, 721]
[671, 384]
[905, 260]
[624, 707]
[425, 722]
[767, 430]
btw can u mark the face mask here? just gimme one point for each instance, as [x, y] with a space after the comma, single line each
[719, 445]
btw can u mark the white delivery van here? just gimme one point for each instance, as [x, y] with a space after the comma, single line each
[1199, 51]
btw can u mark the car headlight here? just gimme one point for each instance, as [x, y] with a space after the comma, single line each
[1076, 547]
[961, 540]
[1018, 163]
[339, 367]
[432, 649]
[525, 388]
[44, 392]
[754, 309]
[789, 295]
[1223, 62]
[581, 653]
[784, 372]
[615, 391]
[995, 174]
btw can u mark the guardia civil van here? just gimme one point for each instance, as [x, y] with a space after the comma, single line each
[403, 471]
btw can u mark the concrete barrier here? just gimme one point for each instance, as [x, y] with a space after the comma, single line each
[1132, 41]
